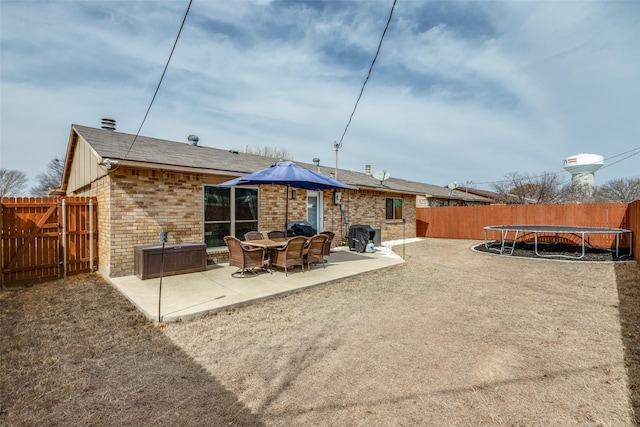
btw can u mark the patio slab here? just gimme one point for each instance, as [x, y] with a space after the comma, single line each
[189, 295]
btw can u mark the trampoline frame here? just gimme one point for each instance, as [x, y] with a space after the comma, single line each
[583, 232]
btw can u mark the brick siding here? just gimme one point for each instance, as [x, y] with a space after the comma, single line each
[134, 206]
[142, 204]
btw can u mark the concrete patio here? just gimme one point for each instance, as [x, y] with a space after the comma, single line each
[189, 295]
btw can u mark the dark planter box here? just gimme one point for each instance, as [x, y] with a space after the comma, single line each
[179, 258]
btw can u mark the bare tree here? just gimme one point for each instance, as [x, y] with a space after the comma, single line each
[50, 179]
[519, 188]
[12, 183]
[578, 192]
[619, 190]
[276, 153]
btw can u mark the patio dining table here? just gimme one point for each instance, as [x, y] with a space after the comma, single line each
[266, 245]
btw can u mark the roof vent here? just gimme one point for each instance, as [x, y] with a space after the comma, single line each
[193, 140]
[108, 124]
[367, 169]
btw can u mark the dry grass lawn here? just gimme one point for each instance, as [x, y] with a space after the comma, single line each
[451, 337]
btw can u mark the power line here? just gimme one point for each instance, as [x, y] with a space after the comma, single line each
[622, 154]
[634, 151]
[637, 151]
[339, 144]
[161, 78]
[530, 177]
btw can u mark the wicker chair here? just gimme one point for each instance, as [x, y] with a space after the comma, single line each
[253, 235]
[277, 235]
[314, 250]
[327, 246]
[290, 255]
[246, 259]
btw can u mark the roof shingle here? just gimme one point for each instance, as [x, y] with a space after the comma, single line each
[120, 146]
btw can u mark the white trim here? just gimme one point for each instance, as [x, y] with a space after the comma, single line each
[320, 206]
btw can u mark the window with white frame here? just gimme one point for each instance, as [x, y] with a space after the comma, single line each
[229, 211]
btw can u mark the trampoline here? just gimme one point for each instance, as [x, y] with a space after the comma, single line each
[508, 243]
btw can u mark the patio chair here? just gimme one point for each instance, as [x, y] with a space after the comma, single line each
[276, 235]
[327, 246]
[253, 235]
[246, 259]
[289, 255]
[314, 250]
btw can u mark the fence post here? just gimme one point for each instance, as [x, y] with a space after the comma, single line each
[64, 238]
[91, 235]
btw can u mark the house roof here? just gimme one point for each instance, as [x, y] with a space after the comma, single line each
[154, 152]
[443, 192]
[492, 195]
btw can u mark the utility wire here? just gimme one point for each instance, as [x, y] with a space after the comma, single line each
[507, 180]
[161, 78]
[635, 151]
[622, 154]
[339, 144]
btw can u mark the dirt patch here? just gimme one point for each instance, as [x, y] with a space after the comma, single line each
[451, 337]
[628, 280]
[75, 352]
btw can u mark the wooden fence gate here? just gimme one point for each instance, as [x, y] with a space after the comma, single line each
[45, 238]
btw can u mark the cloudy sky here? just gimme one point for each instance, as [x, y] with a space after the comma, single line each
[464, 91]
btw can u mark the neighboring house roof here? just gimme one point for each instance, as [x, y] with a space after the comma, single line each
[495, 197]
[442, 192]
[154, 152]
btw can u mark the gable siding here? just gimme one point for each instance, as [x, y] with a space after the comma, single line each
[84, 168]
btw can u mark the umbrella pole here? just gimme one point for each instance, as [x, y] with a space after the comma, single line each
[286, 213]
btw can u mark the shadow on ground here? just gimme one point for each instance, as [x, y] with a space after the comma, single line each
[75, 352]
[628, 281]
[556, 251]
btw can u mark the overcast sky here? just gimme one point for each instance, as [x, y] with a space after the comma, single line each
[461, 91]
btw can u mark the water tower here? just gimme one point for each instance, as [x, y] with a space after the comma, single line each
[582, 167]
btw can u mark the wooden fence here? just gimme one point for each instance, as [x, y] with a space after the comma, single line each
[633, 215]
[468, 222]
[46, 238]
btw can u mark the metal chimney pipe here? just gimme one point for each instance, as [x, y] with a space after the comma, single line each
[108, 124]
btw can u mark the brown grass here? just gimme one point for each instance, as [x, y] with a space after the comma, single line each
[451, 337]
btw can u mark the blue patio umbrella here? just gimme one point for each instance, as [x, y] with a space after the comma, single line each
[290, 174]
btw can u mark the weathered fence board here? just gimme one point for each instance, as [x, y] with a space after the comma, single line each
[45, 238]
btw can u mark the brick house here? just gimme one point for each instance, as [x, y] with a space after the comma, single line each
[153, 185]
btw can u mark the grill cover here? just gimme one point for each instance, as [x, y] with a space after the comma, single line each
[301, 228]
[359, 236]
